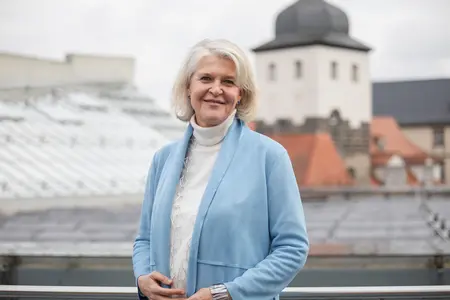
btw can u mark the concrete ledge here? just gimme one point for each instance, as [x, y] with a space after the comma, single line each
[324, 193]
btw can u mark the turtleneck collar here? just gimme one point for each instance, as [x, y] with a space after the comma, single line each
[209, 136]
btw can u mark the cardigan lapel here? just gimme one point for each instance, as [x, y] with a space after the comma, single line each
[224, 158]
[175, 164]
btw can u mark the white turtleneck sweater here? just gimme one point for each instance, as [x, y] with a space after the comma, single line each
[199, 162]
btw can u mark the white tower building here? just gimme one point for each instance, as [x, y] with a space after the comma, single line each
[312, 67]
[314, 77]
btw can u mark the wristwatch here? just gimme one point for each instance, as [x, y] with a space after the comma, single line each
[219, 292]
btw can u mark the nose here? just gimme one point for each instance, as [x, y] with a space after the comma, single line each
[216, 89]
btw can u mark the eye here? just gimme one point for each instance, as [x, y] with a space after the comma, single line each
[205, 78]
[229, 82]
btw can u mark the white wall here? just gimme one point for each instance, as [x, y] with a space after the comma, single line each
[353, 99]
[287, 96]
[20, 71]
[315, 94]
[426, 174]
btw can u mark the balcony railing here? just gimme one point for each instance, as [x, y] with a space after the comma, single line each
[304, 293]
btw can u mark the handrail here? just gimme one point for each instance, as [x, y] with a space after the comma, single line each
[96, 292]
[385, 292]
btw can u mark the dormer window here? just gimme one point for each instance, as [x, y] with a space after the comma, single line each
[379, 143]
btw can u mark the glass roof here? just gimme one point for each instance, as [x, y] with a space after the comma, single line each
[69, 143]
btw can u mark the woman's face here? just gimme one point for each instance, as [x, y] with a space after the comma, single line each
[213, 91]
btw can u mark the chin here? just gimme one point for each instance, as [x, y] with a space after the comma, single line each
[215, 115]
[214, 119]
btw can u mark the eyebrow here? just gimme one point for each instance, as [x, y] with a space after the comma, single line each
[209, 74]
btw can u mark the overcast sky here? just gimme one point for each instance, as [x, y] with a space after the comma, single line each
[410, 38]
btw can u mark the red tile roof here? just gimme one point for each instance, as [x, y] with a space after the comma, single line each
[315, 159]
[386, 130]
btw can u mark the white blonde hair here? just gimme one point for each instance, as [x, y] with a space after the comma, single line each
[245, 80]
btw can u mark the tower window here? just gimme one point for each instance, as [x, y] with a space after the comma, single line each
[334, 70]
[355, 72]
[272, 72]
[298, 69]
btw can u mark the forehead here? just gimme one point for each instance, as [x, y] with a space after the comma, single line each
[216, 65]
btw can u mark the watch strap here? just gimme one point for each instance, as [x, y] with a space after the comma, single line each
[219, 292]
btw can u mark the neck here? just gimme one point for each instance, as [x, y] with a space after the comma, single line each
[209, 136]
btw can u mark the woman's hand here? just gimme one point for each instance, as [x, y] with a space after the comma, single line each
[202, 294]
[150, 286]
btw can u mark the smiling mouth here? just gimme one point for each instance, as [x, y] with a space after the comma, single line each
[214, 101]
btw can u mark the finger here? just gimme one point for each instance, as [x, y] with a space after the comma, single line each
[166, 292]
[160, 278]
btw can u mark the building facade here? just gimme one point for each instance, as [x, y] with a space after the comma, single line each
[18, 71]
[315, 78]
[422, 110]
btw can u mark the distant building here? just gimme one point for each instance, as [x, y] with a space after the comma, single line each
[315, 78]
[76, 128]
[19, 71]
[422, 110]
[396, 160]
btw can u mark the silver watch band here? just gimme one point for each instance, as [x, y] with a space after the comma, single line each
[219, 292]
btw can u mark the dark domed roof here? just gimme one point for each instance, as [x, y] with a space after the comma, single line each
[311, 17]
[308, 22]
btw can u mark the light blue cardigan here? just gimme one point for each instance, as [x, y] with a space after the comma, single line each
[250, 231]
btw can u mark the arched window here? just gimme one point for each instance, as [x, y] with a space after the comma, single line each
[335, 118]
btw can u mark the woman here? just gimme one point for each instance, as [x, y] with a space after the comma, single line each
[222, 216]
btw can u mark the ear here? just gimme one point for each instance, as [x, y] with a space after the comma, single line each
[241, 93]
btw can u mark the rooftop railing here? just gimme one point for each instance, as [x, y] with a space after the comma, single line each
[303, 293]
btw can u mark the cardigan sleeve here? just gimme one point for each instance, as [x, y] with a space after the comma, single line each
[141, 246]
[289, 240]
